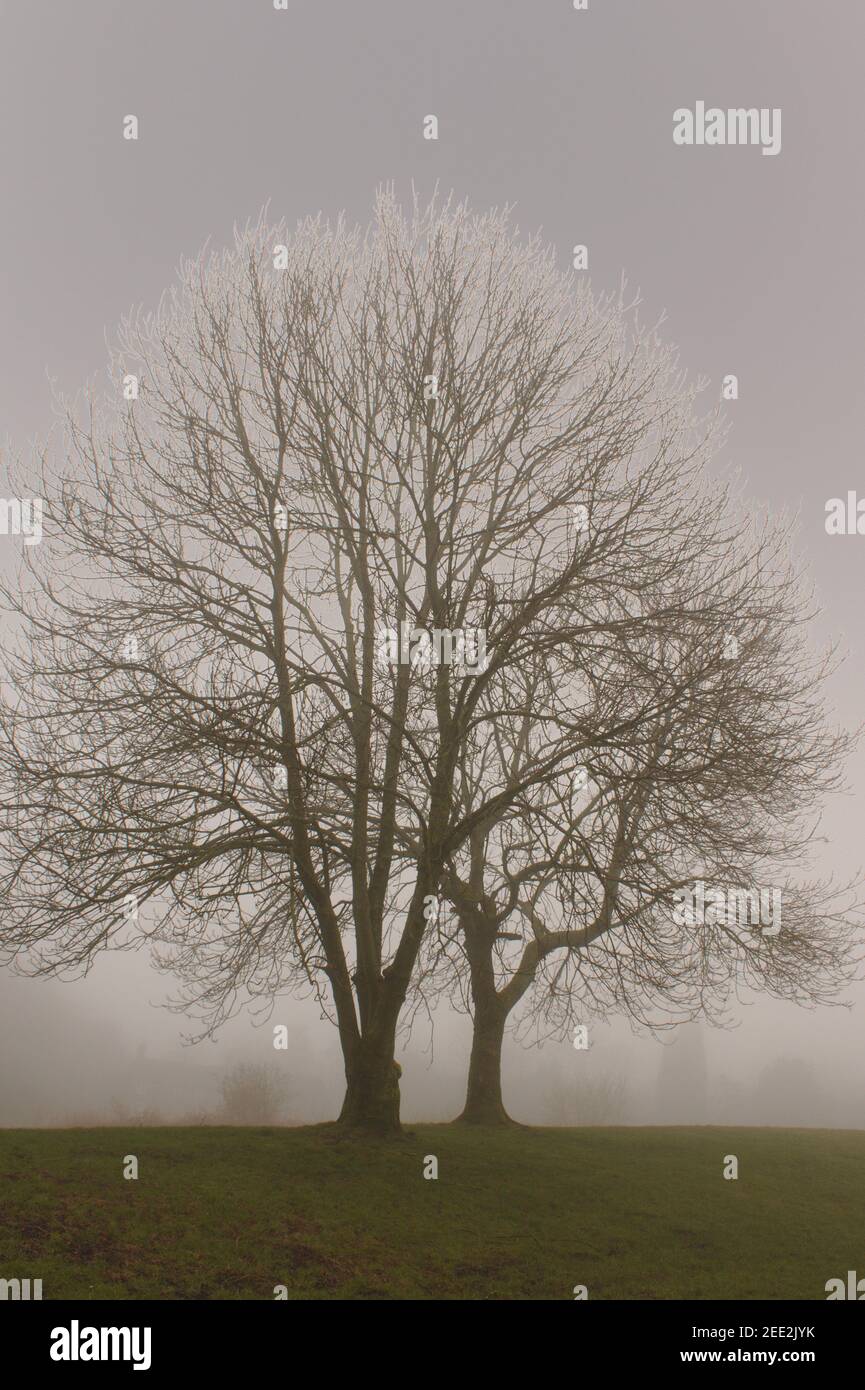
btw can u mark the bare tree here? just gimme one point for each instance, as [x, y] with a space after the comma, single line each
[701, 752]
[211, 744]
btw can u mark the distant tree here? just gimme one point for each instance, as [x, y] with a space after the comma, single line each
[789, 1092]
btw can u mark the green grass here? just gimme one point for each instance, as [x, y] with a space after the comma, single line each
[518, 1214]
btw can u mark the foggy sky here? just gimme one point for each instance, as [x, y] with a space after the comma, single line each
[756, 262]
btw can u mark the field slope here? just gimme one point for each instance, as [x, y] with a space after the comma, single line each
[221, 1213]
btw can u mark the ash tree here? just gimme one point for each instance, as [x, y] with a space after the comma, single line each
[703, 754]
[211, 746]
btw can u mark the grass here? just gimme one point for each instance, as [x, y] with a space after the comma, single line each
[219, 1213]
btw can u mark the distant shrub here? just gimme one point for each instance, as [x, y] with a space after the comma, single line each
[251, 1095]
[587, 1100]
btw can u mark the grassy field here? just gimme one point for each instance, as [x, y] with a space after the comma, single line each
[522, 1214]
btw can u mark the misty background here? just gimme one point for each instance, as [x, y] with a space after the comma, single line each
[757, 263]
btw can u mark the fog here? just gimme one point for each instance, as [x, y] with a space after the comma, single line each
[103, 1051]
[750, 259]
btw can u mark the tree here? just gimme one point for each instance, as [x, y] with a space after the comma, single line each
[681, 711]
[698, 772]
[214, 743]
[790, 1092]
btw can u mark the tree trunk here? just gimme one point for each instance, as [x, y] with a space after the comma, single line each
[372, 1099]
[371, 1102]
[484, 1093]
